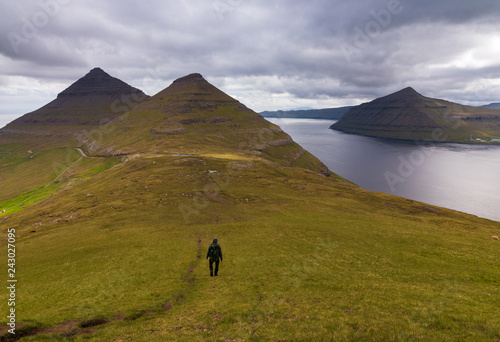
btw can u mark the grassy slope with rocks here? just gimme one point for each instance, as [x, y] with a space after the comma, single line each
[118, 252]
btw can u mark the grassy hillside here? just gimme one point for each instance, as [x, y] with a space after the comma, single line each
[28, 178]
[306, 257]
[39, 148]
[193, 117]
[117, 251]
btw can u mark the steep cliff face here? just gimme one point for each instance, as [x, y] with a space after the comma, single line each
[408, 115]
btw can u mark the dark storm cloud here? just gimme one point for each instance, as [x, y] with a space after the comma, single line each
[450, 11]
[316, 51]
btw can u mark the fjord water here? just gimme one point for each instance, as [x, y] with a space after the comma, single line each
[461, 177]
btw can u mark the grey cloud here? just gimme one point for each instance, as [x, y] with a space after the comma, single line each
[451, 11]
[302, 43]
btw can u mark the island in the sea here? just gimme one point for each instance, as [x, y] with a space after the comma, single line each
[408, 115]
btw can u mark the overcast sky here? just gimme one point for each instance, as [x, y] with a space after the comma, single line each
[269, 55]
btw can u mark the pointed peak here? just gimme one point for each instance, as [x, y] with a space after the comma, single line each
[193, 87]
[407, 94]
[98, 82]
[190, 78]
[97, 72]
[407, 91]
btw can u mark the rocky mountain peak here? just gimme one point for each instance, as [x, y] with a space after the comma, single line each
[195, 77]
[407, 93]
[98, 82]
[408, 90]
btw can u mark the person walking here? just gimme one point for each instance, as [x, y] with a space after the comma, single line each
[214, 253]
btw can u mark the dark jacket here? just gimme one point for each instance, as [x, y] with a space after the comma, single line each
[217, 247]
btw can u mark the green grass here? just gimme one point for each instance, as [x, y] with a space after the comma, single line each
[20, 173]
[26, 200]
[306, 258]
[44, 172]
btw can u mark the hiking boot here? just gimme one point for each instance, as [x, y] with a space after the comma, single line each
[211, 274]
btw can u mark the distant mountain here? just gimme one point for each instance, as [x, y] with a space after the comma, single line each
[493, 105]
[327, 113]
[407, 115]
[91, 101]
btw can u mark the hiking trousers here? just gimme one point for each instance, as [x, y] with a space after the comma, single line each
[211, 264]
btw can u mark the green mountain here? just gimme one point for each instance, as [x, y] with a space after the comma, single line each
[407, 115]
[90, 102]
[113, 246]
[194, 117]
[325, 114]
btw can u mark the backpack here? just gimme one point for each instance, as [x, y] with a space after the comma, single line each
[214, 252]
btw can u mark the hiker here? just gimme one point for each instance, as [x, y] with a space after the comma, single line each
[214, 253]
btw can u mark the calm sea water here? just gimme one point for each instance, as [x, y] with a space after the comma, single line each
[455, 176]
